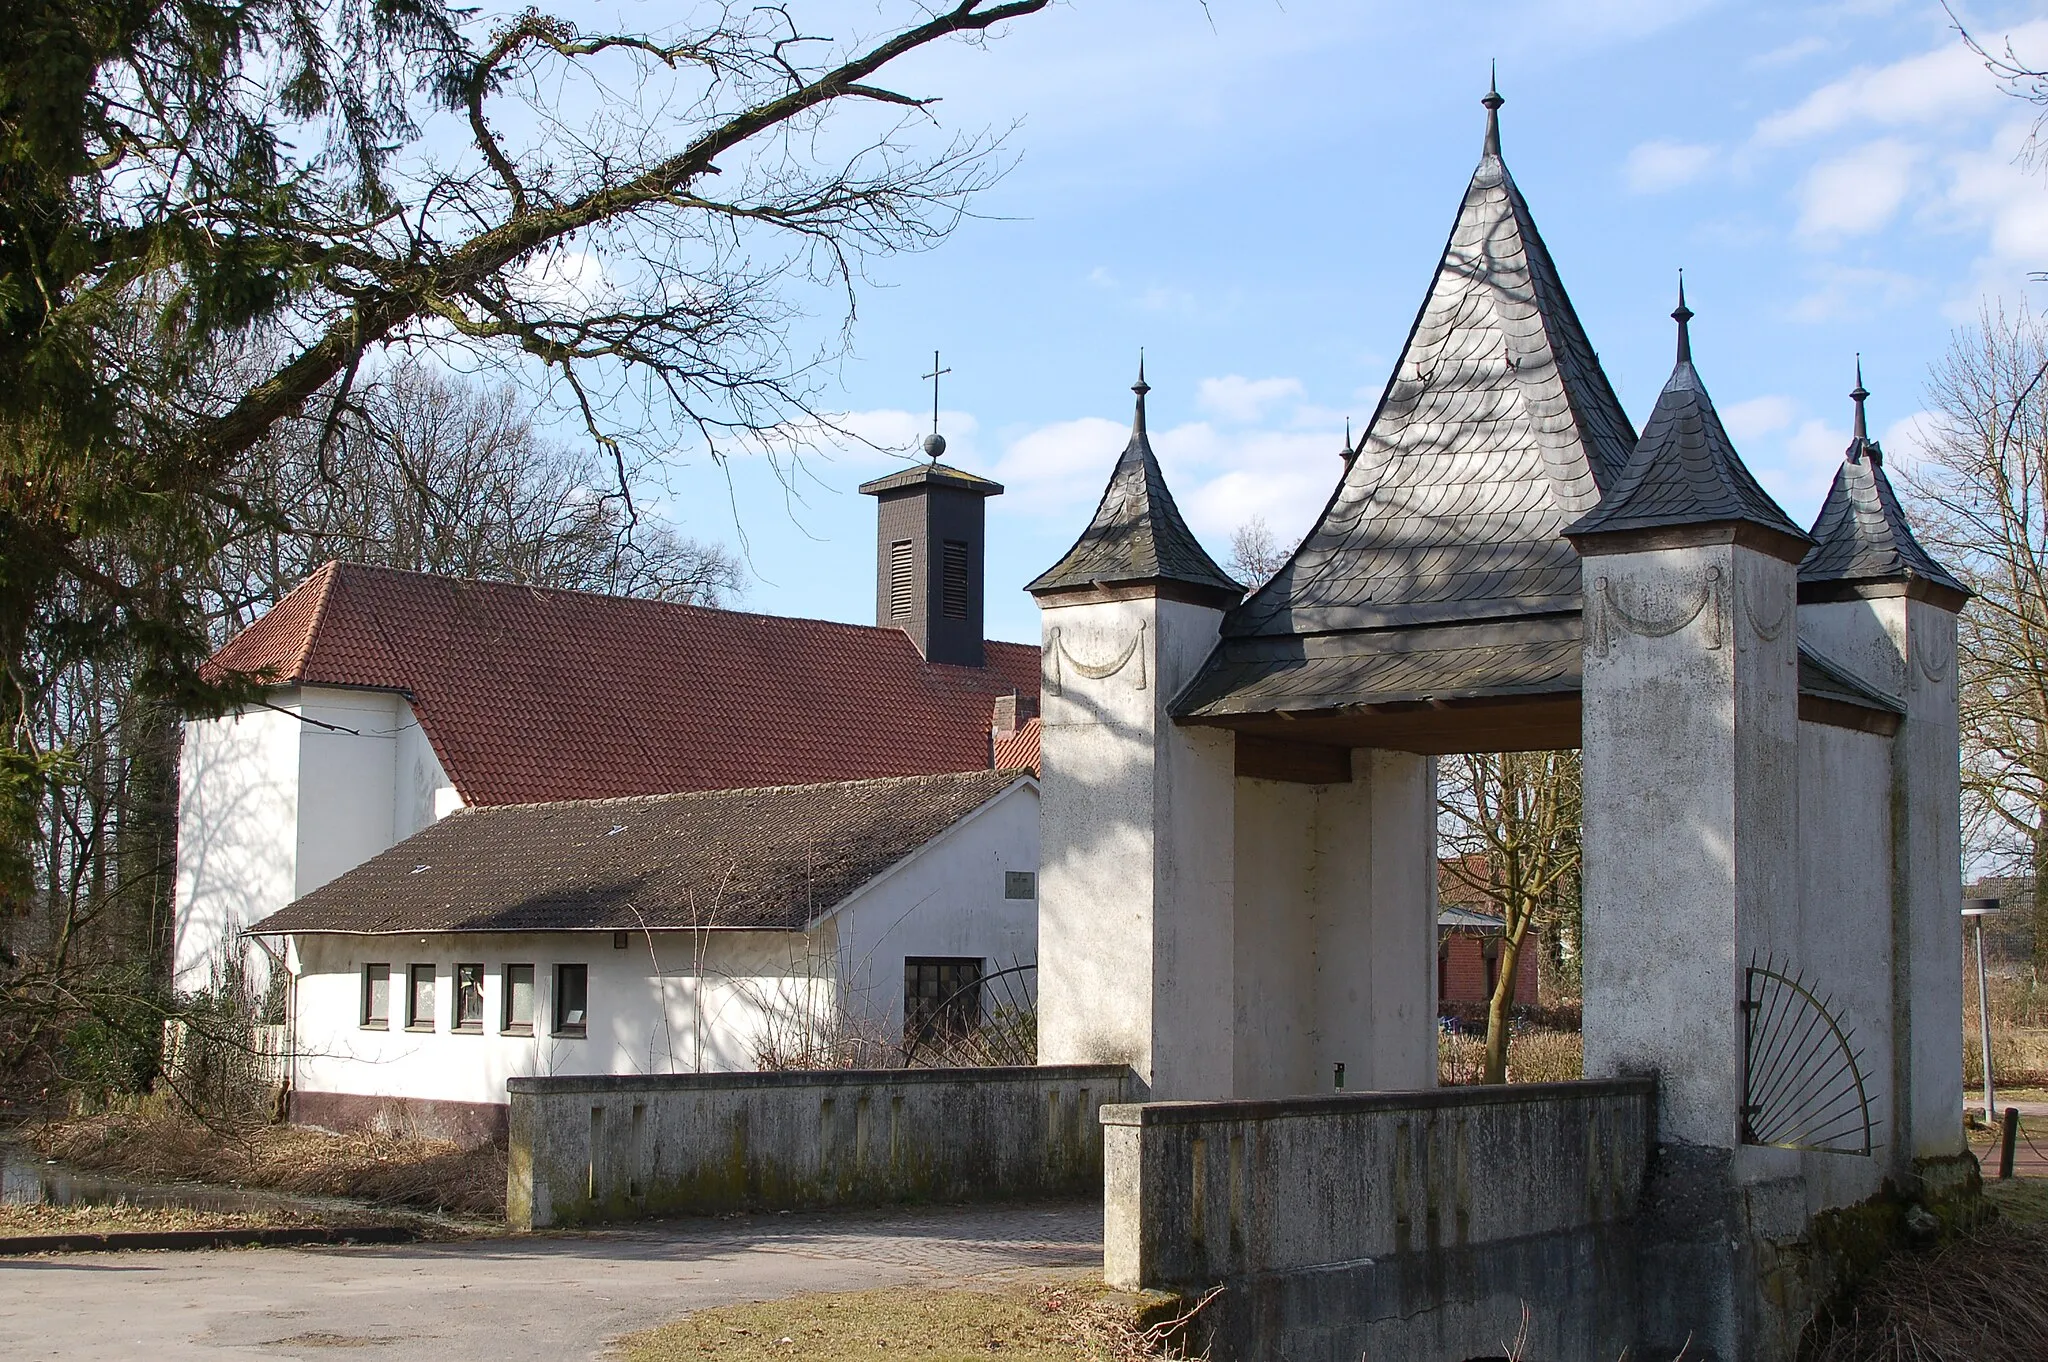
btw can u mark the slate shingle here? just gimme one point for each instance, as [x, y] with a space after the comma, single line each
[1137, 534]
[1862, 534]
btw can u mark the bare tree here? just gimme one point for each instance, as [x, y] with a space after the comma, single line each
[1511, 824]
[1980, 497]
[1254, 554]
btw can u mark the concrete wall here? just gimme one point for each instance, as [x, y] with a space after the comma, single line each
[1334, 909]
[274, 803]
[1844, 945]
[585, 1150]
[1412, 1225]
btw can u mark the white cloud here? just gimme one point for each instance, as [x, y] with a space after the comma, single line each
[1223, 478]
[565, 279]
[1797, 50]
[1758, 417]
[1928, 88]
[1858, 193]
[1656, 166]
[1237, 398]
[1060, 469]
[1797, 471]
[1843, 291]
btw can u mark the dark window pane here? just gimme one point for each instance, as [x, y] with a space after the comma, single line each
[518, 998]
[376, 995]
[419, 996]
[469, 996]
[572, 998]
[1020, 884]
[941, 996]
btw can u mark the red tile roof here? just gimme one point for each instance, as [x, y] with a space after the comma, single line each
[1018, 751]
[531, 694]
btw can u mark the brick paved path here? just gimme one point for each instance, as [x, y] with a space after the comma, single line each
[505, 1300]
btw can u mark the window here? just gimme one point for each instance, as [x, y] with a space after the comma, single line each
[518, 1018]
[1020, 884]
[899, 579]
[572, 999]
[419, 997]
[953, 579]
[377, 997]
[941, 996]
[469, 997]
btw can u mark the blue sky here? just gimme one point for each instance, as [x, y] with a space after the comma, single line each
[1258, 195]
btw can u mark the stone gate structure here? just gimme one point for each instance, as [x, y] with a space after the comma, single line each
[1238, 875]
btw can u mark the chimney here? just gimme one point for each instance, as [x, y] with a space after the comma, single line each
[930, 544]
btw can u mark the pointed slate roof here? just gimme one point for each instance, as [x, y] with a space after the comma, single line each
[1497, 427]
[1685, 470]
[1862, 534]
[1138, 535]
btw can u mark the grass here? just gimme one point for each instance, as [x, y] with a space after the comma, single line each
[2019, 1027]
[1074, 1321]
[1981, 1296]
[159, 1141]
[120, 1217]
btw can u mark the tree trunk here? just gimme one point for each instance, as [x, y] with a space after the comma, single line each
[1502, 1004]
[2040, 904]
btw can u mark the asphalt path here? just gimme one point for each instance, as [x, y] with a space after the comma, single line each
[506, 1299]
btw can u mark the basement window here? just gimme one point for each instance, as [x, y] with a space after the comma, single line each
[900, 583]
[469, 998]
[377, 997]
[572, 999]
[419, 997]
[518, 1018]
[953, 579]
[941, 996]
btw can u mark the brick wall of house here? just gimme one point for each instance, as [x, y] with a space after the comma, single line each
[1463, 975]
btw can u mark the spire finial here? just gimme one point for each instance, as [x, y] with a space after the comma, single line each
[1683, 316]
[1141, 387]
[1348, 453]
[1493, 101]
[1857, 394]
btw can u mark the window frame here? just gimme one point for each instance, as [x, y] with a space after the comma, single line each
[956, 579]
[558, 1012]
[455, 1020]
[365, 1018]
[946, 980]
[413, 976]
[507, 1025]
[1026, 879]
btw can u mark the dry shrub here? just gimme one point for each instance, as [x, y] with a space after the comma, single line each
[160, 1141]
[1535, 1055]
[2019, 1027]
[1981, 1297]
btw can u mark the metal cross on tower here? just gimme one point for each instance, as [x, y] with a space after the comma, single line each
[935, 443]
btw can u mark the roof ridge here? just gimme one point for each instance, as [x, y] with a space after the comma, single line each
[737, 791]
[322, 594]
[344, 565]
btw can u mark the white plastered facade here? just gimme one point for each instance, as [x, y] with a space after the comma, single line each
[719, 1000]
[274, 801]
[1170, 882]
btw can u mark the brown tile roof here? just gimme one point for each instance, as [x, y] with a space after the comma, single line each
[1018, 751]
[774, 858]
[529, 693]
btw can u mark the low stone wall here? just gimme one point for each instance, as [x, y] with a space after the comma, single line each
[590, 1149]
[1412, 1224]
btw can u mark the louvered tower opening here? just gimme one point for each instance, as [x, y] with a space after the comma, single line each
[953, 595]
[902, 579]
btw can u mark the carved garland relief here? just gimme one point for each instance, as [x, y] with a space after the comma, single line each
[1706, 596]
[1059, 659]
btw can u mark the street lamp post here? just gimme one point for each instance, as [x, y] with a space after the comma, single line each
[1980, 909]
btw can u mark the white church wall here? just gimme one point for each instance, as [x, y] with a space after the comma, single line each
[667, 1002]
[949, 899]
[276, 801]
[238, 798]
[1276, 972]
[1844, 946]
[1401, 953]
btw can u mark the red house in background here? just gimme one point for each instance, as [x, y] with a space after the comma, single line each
[1468, 943]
